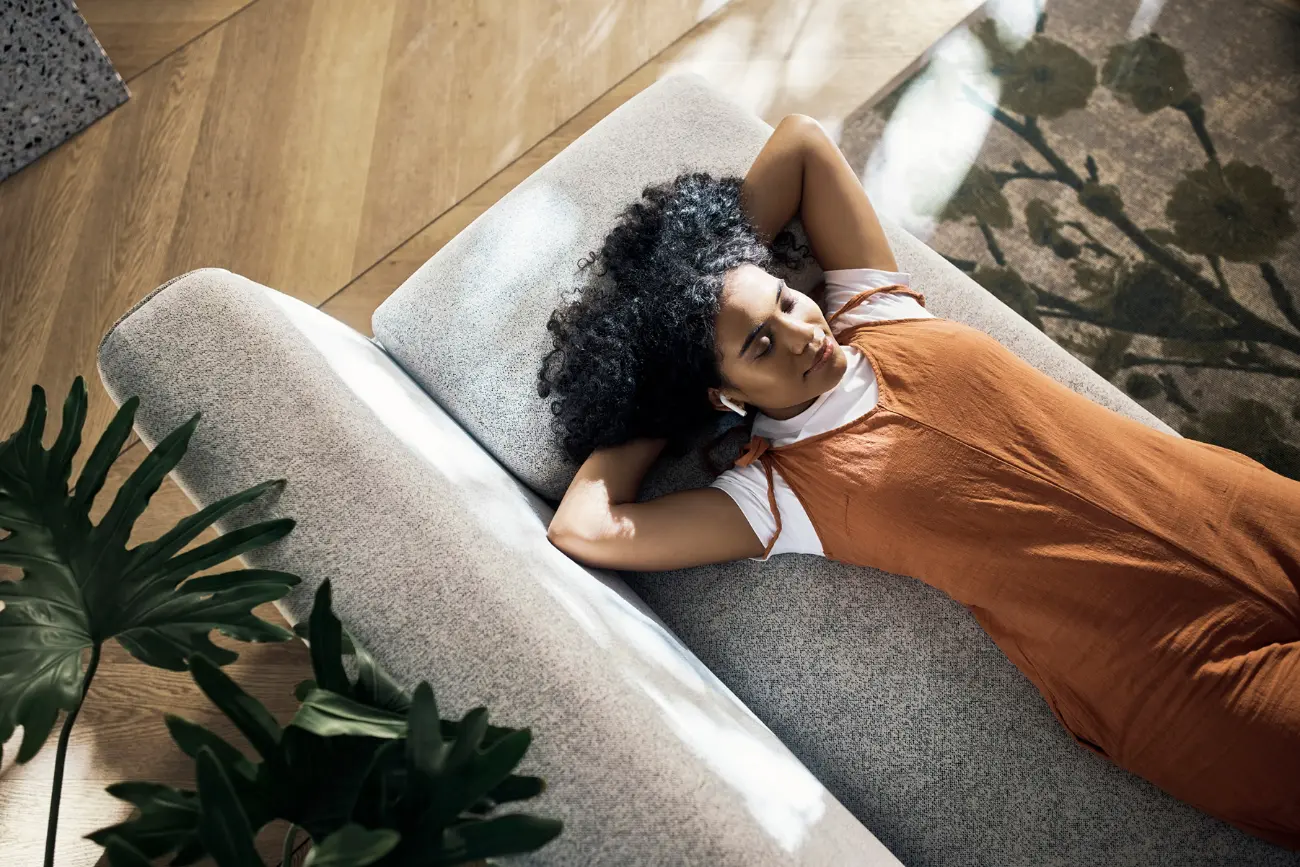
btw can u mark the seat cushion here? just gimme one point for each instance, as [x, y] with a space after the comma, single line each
[886, 689]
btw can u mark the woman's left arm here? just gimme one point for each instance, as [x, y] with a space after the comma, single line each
[801, 171]
[600, 523]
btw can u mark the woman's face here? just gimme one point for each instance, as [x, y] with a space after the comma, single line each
[775, 347]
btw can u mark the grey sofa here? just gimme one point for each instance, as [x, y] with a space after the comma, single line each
[794, 712]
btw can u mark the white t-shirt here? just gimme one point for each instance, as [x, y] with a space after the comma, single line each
[854, 396]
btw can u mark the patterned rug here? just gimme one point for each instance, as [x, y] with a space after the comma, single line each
[1124, 174]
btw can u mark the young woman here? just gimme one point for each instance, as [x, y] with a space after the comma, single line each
[1146, 584]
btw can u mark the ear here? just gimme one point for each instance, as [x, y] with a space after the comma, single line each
[715, 398]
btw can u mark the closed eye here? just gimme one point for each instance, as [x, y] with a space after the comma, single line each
[785, 301]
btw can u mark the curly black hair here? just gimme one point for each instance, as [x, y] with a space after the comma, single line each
[634, 353]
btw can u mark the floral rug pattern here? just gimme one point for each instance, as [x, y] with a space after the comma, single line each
[1132, 192]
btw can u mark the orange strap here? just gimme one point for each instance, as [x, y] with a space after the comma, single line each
[859, 299]
[757, 447]
[757, 450]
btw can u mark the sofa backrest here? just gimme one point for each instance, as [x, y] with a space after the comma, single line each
[470, 324]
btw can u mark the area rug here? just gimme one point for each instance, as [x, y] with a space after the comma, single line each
[55, 79]
[1124, 174]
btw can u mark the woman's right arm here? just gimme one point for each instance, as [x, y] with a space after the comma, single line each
[599, 522]
[800, 172]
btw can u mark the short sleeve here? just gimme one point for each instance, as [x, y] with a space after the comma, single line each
[747, 486]
[844, 285]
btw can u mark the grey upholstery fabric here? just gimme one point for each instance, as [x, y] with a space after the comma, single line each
[887, 690]
[440, 564]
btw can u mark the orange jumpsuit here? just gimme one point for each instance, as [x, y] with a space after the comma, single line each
[1146, 584]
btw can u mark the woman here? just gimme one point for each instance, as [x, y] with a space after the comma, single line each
[1146, 584]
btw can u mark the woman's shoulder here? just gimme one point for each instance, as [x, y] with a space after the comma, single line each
[858, 295]
[748, 487]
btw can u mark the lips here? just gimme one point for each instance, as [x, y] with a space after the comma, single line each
[823, 355]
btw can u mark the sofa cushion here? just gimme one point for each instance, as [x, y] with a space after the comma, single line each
[886, 689]
[440, 565]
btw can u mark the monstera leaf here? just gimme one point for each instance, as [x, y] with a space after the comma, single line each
[373, 775]
[81, 585]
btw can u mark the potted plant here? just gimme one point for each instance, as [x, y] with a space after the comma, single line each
[82, 586]
[371, 775]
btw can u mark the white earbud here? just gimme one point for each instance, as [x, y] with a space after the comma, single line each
[731, 405]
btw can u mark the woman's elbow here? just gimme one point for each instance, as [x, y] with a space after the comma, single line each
[599, 547]
[801, 127]
[573, 539]
[561, 535]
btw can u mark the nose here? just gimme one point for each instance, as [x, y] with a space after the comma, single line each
[801, 337]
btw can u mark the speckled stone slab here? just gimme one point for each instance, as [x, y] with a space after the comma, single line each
[55, 79]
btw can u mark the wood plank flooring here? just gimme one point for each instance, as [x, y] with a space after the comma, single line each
[136, 34]
[297, 143]
[824, 58]
[217, 163]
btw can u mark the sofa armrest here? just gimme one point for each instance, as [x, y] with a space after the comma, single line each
[440, 565]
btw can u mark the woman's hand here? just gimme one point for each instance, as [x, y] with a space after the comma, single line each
[600, 523]
[801, 172]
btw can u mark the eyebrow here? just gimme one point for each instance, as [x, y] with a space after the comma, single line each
[744, 347]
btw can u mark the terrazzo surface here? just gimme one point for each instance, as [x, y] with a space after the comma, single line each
[55, 79]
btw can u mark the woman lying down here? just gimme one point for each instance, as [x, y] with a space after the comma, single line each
[1146, 584]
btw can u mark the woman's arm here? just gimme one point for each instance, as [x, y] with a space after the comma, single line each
[801, 172]
[600, 523]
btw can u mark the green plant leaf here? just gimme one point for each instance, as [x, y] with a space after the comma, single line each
[373, 685]
[504, 835]
[326, 639]
[302, 629]
[410, 775]
[248, 714]
[81, 585]
[123, 854]
[192, 737]
[493, 766]
[223, 825]
[382, 787]
[517, 788]
[375, 688]
[424, 745]
[168, 819]
[190, 852]
[469, 774]
[153, 554]
[352, 846]
[329, 714]
[468, 739]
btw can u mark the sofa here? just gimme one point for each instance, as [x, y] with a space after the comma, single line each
[794, 712]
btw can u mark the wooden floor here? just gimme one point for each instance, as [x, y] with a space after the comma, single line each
[328, 149]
